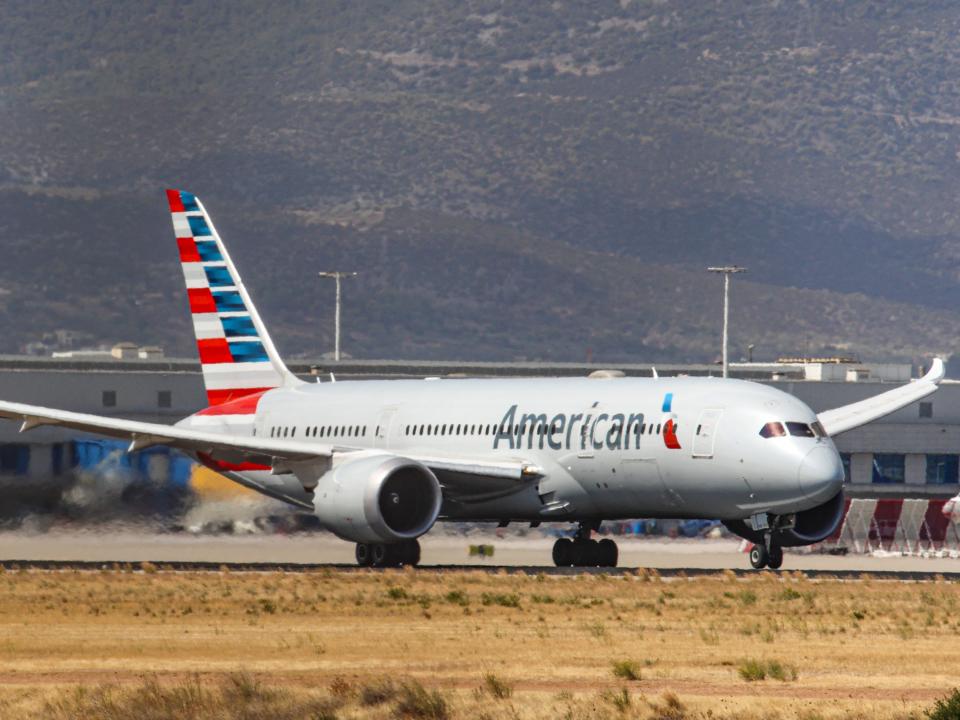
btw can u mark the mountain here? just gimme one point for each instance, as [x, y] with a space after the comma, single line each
[512, 180]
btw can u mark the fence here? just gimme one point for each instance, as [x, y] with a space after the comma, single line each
[907, 526]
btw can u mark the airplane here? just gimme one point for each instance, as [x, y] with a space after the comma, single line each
[379, 462]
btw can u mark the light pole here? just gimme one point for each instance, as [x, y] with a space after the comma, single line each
[727, 271]
[336, 275]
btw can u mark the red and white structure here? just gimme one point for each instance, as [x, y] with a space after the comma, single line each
[912, 526]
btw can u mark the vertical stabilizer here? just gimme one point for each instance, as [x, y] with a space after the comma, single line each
[236, 353]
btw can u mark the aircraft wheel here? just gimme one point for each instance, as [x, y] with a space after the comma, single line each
[364, 555]
[609, 553]
[382, 557]
[586, 553]
[758, 557]
[775, 558]
[563, 552]
[410, 551]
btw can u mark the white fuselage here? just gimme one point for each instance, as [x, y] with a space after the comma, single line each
[604, 447]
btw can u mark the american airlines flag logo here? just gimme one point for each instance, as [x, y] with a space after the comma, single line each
[225, 329]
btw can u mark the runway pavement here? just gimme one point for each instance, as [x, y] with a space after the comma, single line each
[126, 546]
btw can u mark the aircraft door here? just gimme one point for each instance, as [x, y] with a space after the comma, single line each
[384, 426]
[705, 433]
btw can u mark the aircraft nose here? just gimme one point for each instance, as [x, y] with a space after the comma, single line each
[821, 473]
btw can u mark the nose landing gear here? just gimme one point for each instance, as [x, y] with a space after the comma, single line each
[768, 554]
[584, 552]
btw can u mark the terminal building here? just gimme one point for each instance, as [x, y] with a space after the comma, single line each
[914, 453]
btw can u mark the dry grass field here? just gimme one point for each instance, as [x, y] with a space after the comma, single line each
[150, 643]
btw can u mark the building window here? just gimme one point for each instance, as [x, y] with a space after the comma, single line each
[926, 410]
[109, 398]
[888, 469]
[164, 399]
[942, 469]
[14, 459]
[845, 460]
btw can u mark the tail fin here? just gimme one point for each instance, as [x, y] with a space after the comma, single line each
[236, 353]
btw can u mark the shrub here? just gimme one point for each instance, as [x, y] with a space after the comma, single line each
[510, 600]
[781, 672]
[752, 670]
[497, 688]
[626, 669]
[396, 593]
[947, 708]
[415, 701]
[457, 597]
[340, 687]
[620, 700]
[377, 693]
[790, 594]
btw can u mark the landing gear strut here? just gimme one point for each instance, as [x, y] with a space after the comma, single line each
[392, 555]
[584, 552]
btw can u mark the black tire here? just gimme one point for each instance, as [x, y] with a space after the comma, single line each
[586, 553]
[609, 553]
[411, 553]
[364, 555]
[775, 558]
[382, 557]
[563, 552]
[758, 557]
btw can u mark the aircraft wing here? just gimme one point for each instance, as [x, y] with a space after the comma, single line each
[143, 435]
[275, 452]
[860, 413]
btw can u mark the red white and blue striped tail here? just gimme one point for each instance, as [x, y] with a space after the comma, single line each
[236, 353]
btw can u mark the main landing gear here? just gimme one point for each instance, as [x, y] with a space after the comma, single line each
[392, 555]
[761, 557]
[584, 552]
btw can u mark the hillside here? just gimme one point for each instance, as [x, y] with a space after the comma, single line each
[536, 180]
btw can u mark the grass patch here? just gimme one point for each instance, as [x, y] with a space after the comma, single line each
[947, 708]
[235, 696]
[415, 701]
[377, 693]
[753, 670]
[457, 597]
[397, 593]
[496, 687]
[626, 669]
[620, 699]
[508, 600]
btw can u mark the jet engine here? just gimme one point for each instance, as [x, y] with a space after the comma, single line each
[805, 528]
[378, 499]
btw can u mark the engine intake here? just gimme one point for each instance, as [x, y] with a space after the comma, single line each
[809, 527]
[379, 498]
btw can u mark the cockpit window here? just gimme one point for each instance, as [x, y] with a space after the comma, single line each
[818, 429]
[799, 429]
[772, 429]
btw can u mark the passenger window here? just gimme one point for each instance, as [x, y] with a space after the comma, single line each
[771, 429]
[799, 429]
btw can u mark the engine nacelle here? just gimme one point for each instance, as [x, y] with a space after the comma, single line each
[378, 499]
[809, 526]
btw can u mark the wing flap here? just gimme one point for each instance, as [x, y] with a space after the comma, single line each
[860, 413]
